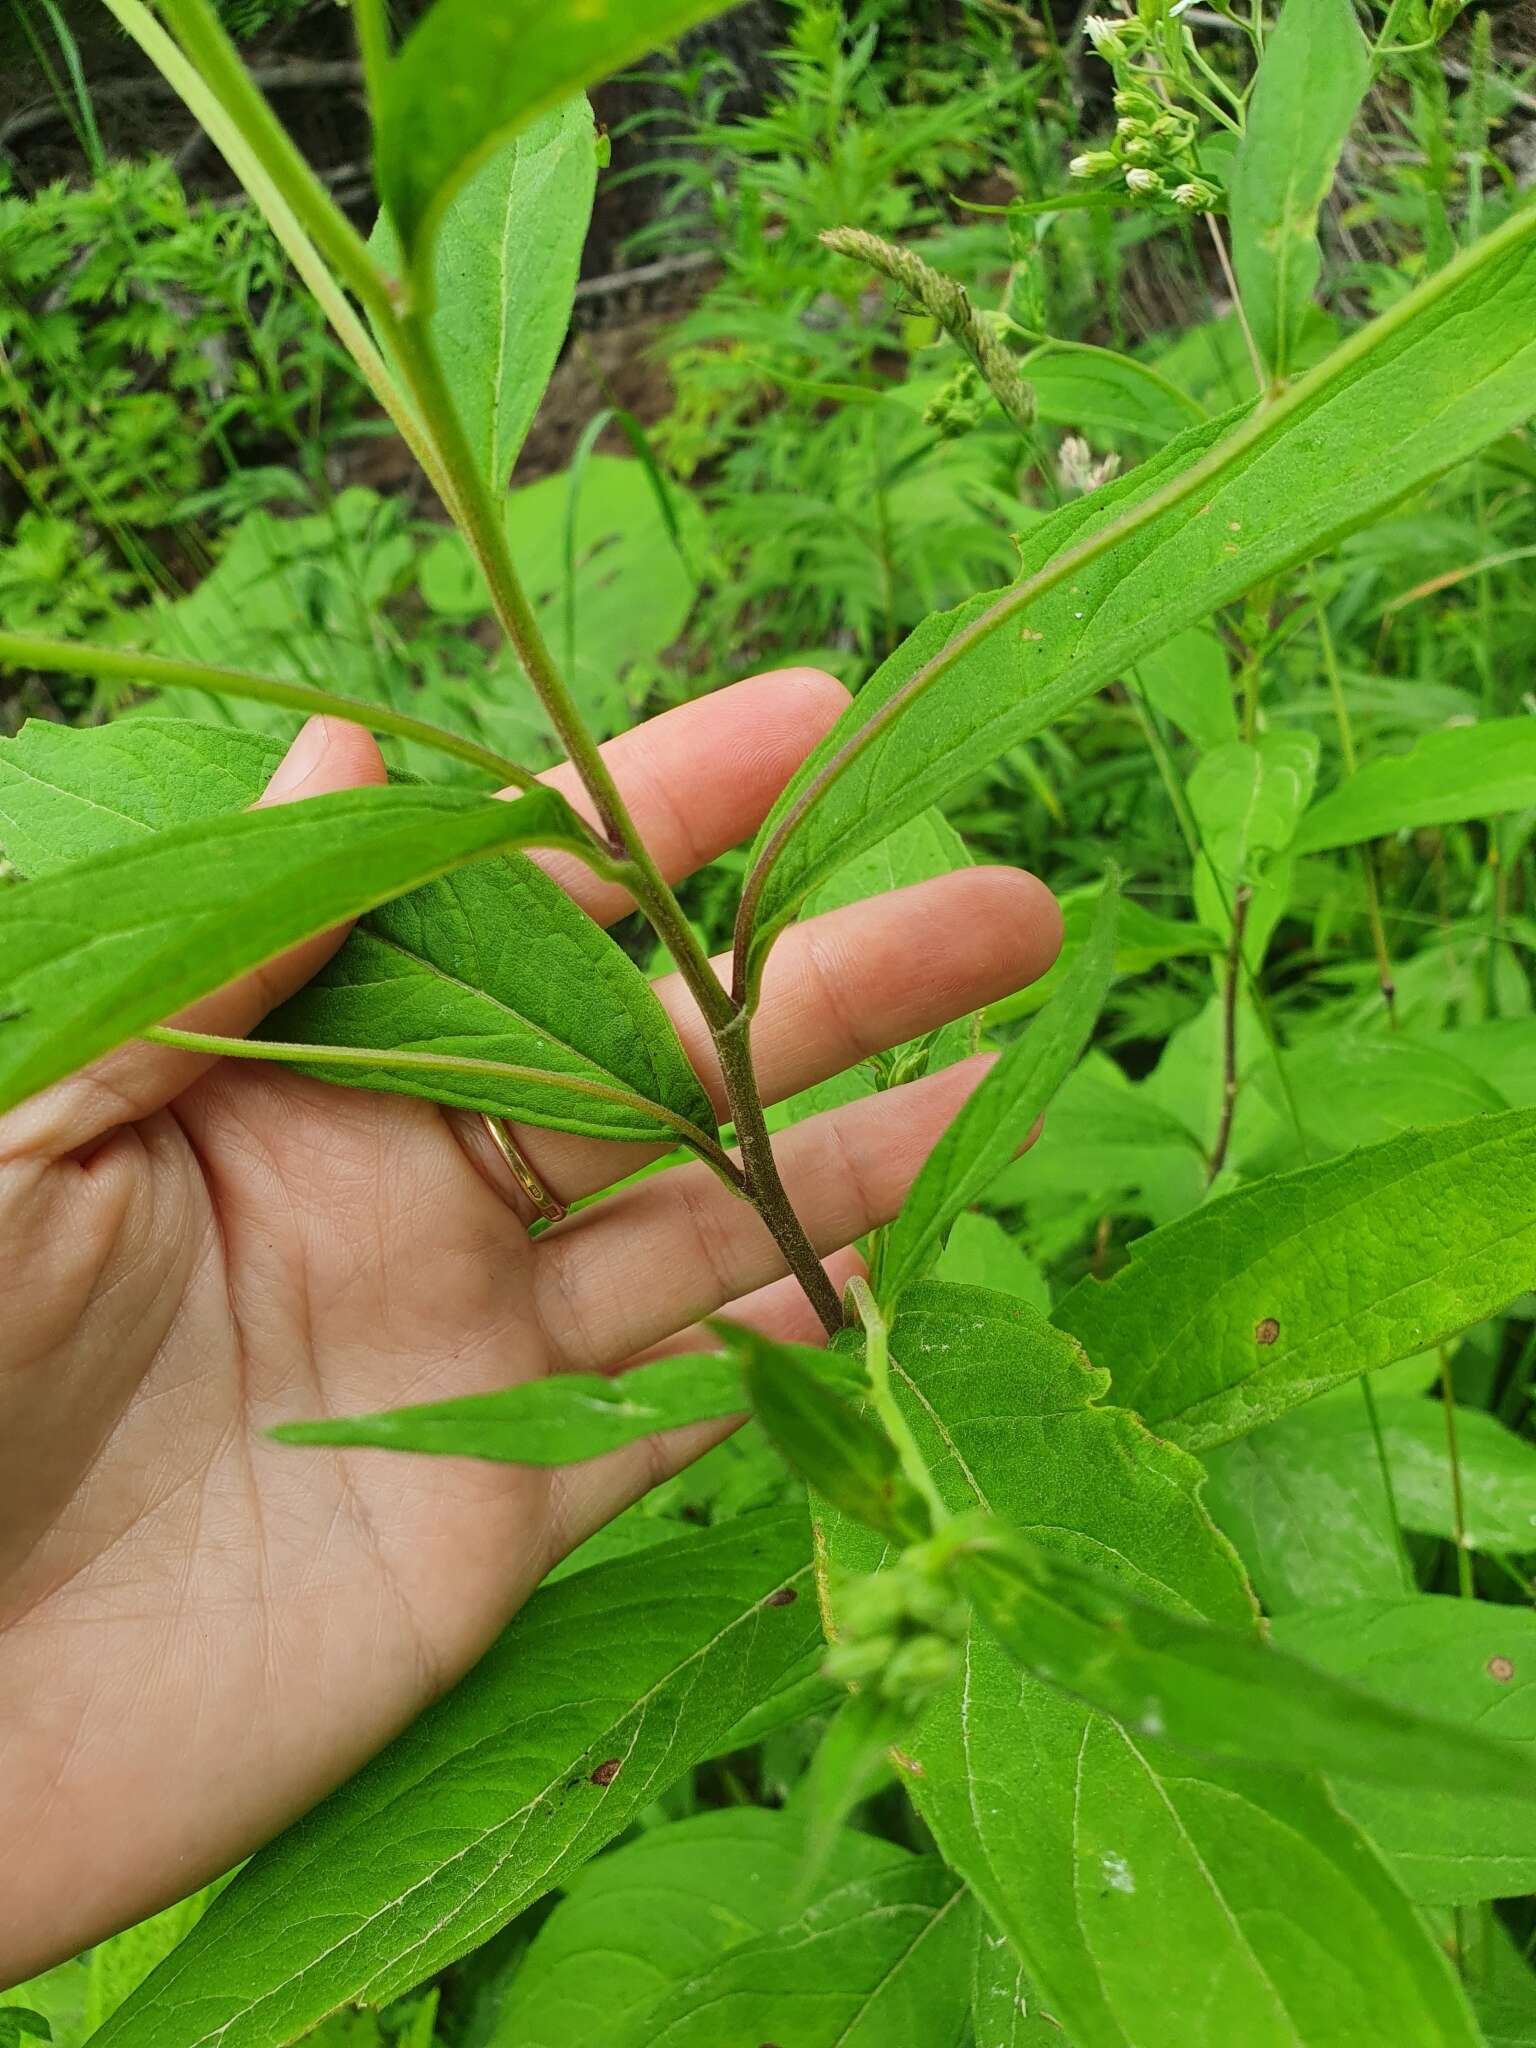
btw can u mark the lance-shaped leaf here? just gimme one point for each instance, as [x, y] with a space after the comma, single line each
[1105, 579]
[1462, 772]
[1313, 76]
[997, 1118]
[1156, 1901]
[609, 1686]
[1468, 1661]
[882, 1959]
[662, 1910]
[807, 1401]
[504, 265]
[494, 963]
[474, 71]
[1215, 1691]
[1289, 1285]
[96, 952]
[554, 1421]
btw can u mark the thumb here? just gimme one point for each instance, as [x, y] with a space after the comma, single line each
[329, 754]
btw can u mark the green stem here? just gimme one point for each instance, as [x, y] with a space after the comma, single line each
[1373, 910]
[371, 24]
[482, 526]
[168, 672]
[877, 1361]
[197, 28]
[225, 133]
[1388, 1484]
[374, 1060]
[1464, 1580]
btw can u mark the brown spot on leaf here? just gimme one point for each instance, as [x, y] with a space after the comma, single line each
[1501, 1669]
[786, 1596]
[1267, 1331]
[607, 1772]
[906, 1763]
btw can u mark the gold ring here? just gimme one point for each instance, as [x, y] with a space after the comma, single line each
[550, 1208]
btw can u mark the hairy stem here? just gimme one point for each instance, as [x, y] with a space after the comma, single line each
[765, 1190]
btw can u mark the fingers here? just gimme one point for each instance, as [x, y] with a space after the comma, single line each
[587, 1496]
[672, 1249]
[838, 989]
[700, 779]
[328, 754]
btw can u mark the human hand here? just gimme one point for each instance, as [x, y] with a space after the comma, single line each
[202, 1631]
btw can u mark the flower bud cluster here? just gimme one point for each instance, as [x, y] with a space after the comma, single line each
[902, 1632]
[959, 404]
[1153, 154]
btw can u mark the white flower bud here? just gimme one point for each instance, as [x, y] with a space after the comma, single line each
[1143, 183]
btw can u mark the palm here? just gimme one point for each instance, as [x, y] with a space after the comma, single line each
[201, 1631]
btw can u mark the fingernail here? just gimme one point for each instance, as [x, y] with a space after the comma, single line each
[301, 760]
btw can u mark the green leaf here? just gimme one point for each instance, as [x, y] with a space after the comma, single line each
[1186, 679]
[606, 1688]
[504, 264]
[807, 1403]
[474, 71]
[1143, 940]
[1214, 1691]
[612, 607]
[927, 846]
[1352, 1088]
[98, 951]
[1305, 1503]
[1108, 578]
[1004, 2010]
[1290, 1285]
[980, 1253]
[1246, 800]
[1464, 1661]
[884, 1959]
[1448, 777]
[1094, 392]
[493, 963]
[661, 1910]
[18, 2023]
[555, 1421]
[998, 1116]
[1313, 76]
[1155, 1902]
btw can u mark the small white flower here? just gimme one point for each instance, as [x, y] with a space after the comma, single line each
[1143, 182]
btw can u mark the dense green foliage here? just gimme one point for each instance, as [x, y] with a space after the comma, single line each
[1155, 464]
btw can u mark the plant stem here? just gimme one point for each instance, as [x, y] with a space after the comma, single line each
[481, 523]
[764, 1187]
[485, 1072]
[1464, 1581]
[1388, 1484]
[197, 28]
[227, 137]
[451, 468]
[1341, 716]
[877, 1361]
[1255, 359]
[1235, 963]
[168, 672]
